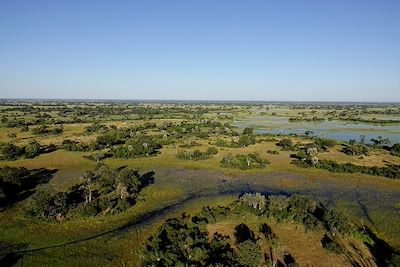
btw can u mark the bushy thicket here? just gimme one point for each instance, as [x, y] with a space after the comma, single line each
[286, 144]
[137, 147]
[197, 154]
[244, 162]
[9, 151]
[103, 191]
[358, 150]
[390, 171]
[395, 150]
[184, 241]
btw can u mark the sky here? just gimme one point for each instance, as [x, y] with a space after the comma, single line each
[342, 50]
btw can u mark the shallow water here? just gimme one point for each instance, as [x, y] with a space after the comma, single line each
[364, 203]
[339, 130]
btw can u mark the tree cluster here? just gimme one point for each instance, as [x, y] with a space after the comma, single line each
[244, 162]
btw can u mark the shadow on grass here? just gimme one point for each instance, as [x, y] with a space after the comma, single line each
[14, 193]
[10, 259]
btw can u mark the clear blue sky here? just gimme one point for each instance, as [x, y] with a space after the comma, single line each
[201, 49]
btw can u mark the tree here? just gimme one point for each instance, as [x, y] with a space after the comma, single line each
[248, 131]
[89, 179]
[10, 151]
[249, 253]
[32, 149]
[285, 143]
[312, 155]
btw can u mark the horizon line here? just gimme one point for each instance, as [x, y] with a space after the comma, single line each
[190, 100]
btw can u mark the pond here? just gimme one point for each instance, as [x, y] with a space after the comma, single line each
[334, 129]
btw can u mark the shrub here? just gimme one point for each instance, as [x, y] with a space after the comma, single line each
[10, 151]
[331, 246]
[42, 129]
[32, 149]
[285, 144]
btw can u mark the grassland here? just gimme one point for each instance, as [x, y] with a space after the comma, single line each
[182, 185]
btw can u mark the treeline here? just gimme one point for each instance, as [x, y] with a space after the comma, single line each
[390, 171]
[313, 119]
[9, 151]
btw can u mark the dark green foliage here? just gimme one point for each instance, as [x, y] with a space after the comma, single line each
[11, 182]
[137, 147]
[243, 233]
[12, 175]
[70, 145]
[331, 245]
[32, 149]
[273, 152]
[105, 190]
[182, 242]
[244, 162]
[394, 261]
[357, 150]
[220, 251]
[223, 143]
[395, 150]
[10, 151]
[246, 140]
[249, 253]
[380, 141]
[248, 131]
[323, 144]
[390, 171]
[45, 205]
[286, 144]
[336, 222]
[301, 209]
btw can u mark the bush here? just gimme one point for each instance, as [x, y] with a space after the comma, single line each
[32, 149]
[285, 144]
[10, 151]
[330, 245]
[273, 152]
[336, 222]
[246, 140]
[137, 147]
